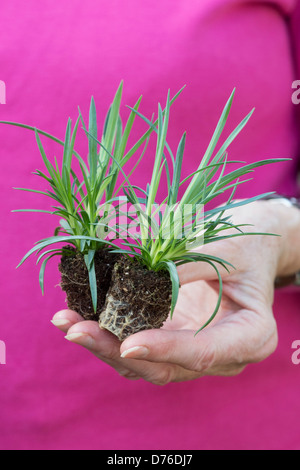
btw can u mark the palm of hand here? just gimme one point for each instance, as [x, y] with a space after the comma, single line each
[243, 332]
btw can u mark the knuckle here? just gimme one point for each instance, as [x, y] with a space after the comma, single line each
[164, 377]
[130, 376]
[236, 370]
[108, 356]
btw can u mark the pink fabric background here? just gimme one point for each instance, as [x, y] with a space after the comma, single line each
[53, 56]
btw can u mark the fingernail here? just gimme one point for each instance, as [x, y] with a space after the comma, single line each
[60, 322]
[136, 352]
[85, 339]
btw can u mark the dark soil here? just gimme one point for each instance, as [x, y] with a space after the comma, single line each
[130, 297]
[138, 299]
[75, 280]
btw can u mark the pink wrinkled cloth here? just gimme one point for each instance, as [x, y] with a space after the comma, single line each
[54, 56]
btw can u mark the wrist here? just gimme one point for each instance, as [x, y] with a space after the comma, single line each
[275, 217]
[286, 222]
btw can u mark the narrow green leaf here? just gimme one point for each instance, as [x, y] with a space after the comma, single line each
[93, 155]
[111, 124]
[33, 210]
[46, 134]
[68, 152]
[218, 131]
[177, 170]
[54, 250]
[89, 261]
[42, 271]
[48, 165]
[219, 298]
[127, 129]
[44, 193]
[65, 239]
[175, 284]
[147, 133]
[66, 160]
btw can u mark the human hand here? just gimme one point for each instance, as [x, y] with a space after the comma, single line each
[244, 330]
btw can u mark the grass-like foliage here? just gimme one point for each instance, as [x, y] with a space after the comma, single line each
[77, 197]
[169, 232]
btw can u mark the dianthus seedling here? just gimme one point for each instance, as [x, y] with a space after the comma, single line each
[78, 196]
[169, 233]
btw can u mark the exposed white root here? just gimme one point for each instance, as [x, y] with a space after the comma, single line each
[124, 325]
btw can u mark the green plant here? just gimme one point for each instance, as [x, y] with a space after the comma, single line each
[168, 235]
[165, 238]
[77, 197]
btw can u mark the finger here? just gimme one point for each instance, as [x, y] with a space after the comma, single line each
[106, 347]
[86, 335]
[235, 341]
[64, 319]
[101, 343]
